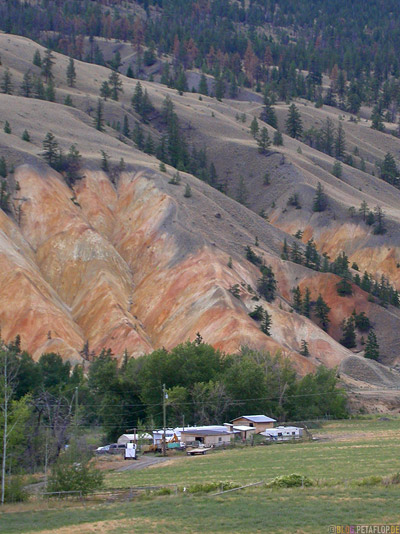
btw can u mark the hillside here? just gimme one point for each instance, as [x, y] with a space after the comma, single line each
[124, 260]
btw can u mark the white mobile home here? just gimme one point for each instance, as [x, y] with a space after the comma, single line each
[283, 433]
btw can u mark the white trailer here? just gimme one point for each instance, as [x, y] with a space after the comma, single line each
[130, 451]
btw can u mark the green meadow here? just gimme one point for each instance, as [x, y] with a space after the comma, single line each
[351, 465]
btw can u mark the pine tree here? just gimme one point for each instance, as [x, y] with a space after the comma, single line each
[68, 101]
[306, 308]
[377, 120]
[320, 200]
[47, 65]
[242, 192]
[268, 114]
[254, 127]
[115, 83]
[105, 90]
[297, 300]
[285, 250]
[3, 167]
[37, 60]
[294, 123]
[363, 210]
[38, 89]
[348, 338]
[50, 91]
[188, 191]
[380, 222]
[125, 128]
[149, 145]
[6, 82]
[328, 137]
[277, 139]
[340, 143]
[219, 88]
[50, 148]
[105, 158]
[26, 86]
[138, 136]
[266, 324]
[129, 72]
[304, 348]
[337, 169]
[372, 347]
[203, 87]
[4, 196]
[267, 283]
[7, 127]
[73, 165]
[263, 141]
[99, 119]
[25, 136]
[389, 171]
[71, 73]
[322, 312]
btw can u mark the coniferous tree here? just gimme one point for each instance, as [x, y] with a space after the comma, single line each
[138, 136]
[242, 192]
[149, 145]
[3, 167]
[125, 128]
[50, 91]
[348, 338]
[306, 308]
[294, 125]
[268, 114]
[377, 120]
[115, 84]
[320, 201]
[38, 89]
[71, 73]
[25, 136]
[297, 300]
[37, 60]
[277, 139]
[105, 158]
[389, 171]
[340, 143]
[105, 90]
[372, 346]
[26, 86]
[50, 149]
[7, 127]
[267, 283]
[6, 82]
[263, 141]
[328, 137]
[203, 87]
[68, 101]
[304, 348]
[188, 191]
[380, 221]
[322, 312]
[266, 323]
[337, 169]
[99, 118]
[254, 127]
[47, 65]
[4, 196]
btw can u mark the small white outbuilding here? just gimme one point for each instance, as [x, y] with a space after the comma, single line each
[283, 433]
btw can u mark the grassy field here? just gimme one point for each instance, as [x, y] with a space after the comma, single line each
[339, 465]
[357, 449]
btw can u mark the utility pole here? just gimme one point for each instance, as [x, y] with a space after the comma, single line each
[164, 419]
[76, 411]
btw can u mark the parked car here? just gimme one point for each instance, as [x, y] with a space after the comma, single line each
[112, 448]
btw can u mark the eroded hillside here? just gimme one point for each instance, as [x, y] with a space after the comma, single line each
[126, 261]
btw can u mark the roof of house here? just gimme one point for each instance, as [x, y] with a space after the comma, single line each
[205, 432]
[256, 418]
[243, 428]
[138, 435]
